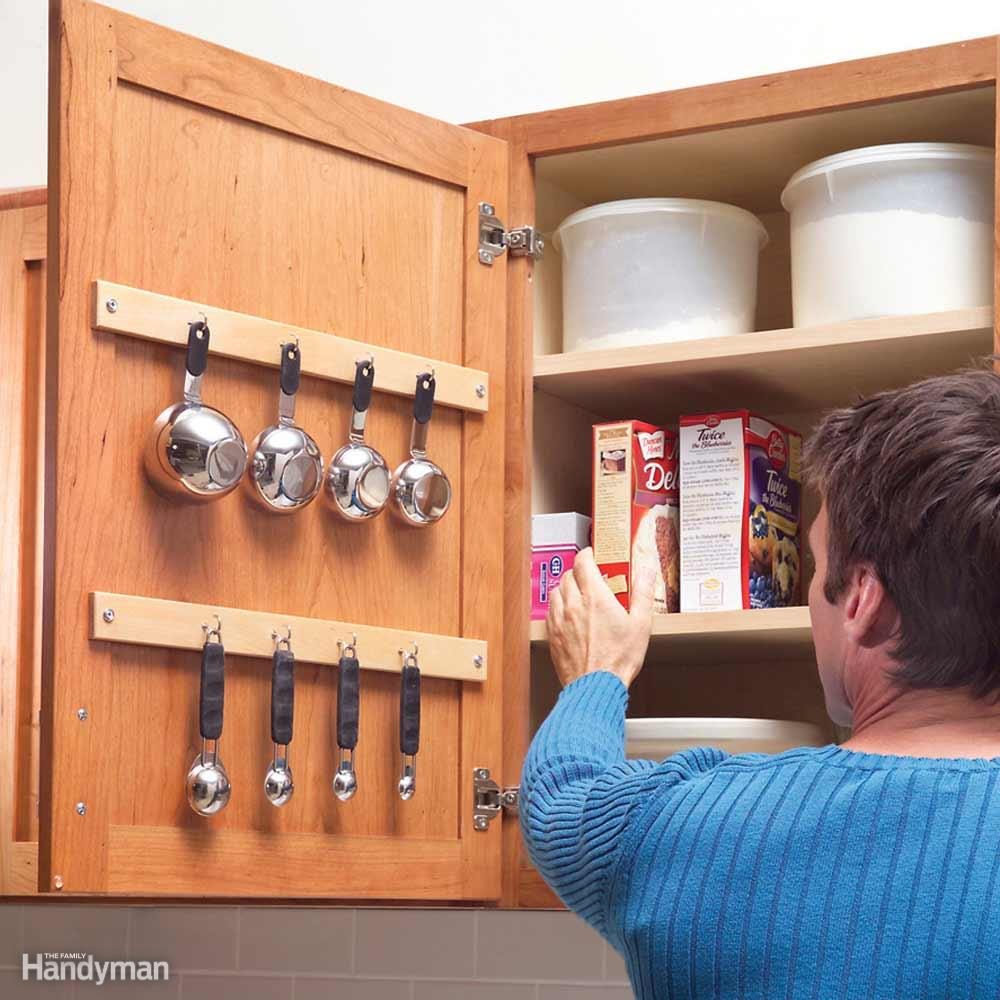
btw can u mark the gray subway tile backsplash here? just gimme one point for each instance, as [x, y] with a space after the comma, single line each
[193, 938]
[605, 991]
[353, 989]
[10, 937]
[315, 953]
[236, 986]
[437, 944]
[99, 930]
[302, 939]
[538, 946]
[472, 990]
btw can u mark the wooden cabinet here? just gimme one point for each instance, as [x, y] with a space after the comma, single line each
[198, 174]
[739, 143]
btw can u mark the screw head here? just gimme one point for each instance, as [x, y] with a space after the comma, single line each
[477, 662]
[81, 808]
[486, 208]
[540, 244]
[109, 615]
[481, 823]
[485, 257]
[57, 882]
[480, 390]
[482, 773]
[111, 305]
[81, 714]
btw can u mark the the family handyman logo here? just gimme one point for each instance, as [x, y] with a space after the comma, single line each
[69, 967]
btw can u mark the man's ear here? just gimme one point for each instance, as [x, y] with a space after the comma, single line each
[870, 617]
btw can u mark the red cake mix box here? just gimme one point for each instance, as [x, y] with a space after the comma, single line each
[636, 508]
[740, 523]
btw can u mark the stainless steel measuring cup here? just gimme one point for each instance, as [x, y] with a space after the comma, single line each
[421, 491]
[358, 478]
[286, 471]
[195, 452]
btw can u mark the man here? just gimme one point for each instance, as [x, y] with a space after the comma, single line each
[866, 870]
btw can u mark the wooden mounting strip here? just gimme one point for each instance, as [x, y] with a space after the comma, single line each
[150, 621]
[164, 319]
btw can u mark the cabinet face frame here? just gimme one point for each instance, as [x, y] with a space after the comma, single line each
[877, 80]
[22, 319]
[95, 52]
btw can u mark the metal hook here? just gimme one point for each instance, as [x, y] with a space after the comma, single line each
[345, 646]
[279, 639]
[410, 659]
[217, 631]
[287, 342]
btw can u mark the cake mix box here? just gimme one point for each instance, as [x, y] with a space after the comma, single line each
[636, 508]
[740, 523]
[555, 541]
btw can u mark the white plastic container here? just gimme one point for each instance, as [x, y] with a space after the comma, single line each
[891, 230]
[654, 739]
[653, 270]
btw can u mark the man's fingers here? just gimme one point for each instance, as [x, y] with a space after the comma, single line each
[588, 576]
[641, 604]
[569, 589]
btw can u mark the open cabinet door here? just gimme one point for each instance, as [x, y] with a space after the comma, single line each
[189, 171]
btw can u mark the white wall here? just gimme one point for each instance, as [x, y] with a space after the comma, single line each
[463, 60]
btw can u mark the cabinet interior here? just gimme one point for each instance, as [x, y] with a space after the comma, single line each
[746, 166]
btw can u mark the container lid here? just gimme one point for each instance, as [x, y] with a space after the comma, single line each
[709, 732]
[643, 206]
[892, 153]
[560, 529]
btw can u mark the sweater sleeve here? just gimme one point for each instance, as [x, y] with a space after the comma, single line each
[578, 793]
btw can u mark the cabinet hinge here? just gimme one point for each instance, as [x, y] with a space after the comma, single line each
[525, 241]
[489, 799]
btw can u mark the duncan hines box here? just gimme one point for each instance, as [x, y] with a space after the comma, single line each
[740, 513]
[636, 509]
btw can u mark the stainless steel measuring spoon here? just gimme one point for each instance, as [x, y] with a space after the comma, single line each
[207, 783]
[278, 783]
[345, 781]
[409, 723]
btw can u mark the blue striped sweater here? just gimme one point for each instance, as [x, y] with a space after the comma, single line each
[811, 875]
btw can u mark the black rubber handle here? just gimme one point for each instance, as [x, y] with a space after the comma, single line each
[348, 702]
[409, 711]
[197, 349]
[423, 400]
[213, 690]
[282, 696]
[291, 365]
[364, 379]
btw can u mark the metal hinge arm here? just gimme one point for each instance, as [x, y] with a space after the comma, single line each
[494, 239]
[489, 799]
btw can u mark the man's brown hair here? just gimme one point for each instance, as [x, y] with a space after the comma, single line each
[911, 481]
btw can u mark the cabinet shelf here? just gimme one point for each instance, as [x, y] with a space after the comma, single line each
[707, 636]
[772, 371]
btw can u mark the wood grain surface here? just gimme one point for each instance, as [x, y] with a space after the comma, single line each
[151, 621]
[145, 314]
[211, 177]
[893, 77]
[22, 322]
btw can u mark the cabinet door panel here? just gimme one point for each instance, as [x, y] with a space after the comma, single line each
[189, 170]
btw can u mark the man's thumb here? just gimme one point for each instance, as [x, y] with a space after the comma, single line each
[641, 605]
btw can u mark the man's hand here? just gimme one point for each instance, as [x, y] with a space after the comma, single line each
[589, 630]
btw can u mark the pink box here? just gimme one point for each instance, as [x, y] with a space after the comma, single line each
[555, 541]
